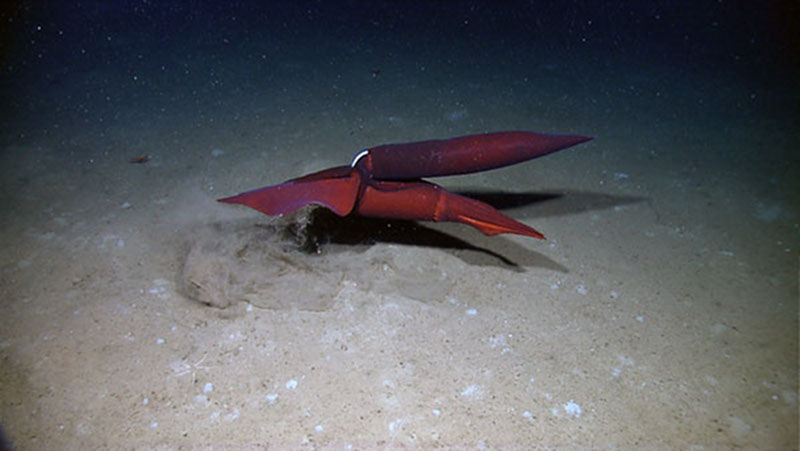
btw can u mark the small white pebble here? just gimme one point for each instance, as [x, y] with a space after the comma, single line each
[159, 341]
[318, 429]
[145, 401]
[249, 307]
[231, 416]
[154, 425]
[473, 390]
[291, 384]
[436, 412]
[614, 294]
[527, 414]
[581, 289]
[572, 408]
[640, 318]
[472, 312]
[272, 397]
[395, 424]
[208, 388]
[125, 205]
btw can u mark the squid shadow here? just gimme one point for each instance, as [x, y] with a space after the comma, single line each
[324, 228]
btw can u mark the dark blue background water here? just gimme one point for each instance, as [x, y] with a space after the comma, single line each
[87, 63]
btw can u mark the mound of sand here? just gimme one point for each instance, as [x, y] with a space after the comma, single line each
[286, 264]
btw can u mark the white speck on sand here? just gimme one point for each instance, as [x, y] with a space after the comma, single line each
[118, 242]
[202, 400]
[318, 429]
[572, 408]
[291, 384]
[474, 391]
[395, 424]
[581, 289]
[272, 397]
[625, 360]
[231, 416]
[497, 341]
[160, 289]
[208, 388]
[436, 412]
[472, 312]
[739, 427]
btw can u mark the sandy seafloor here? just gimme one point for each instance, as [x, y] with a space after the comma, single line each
[661, 313]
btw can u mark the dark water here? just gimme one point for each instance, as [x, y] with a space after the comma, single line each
[98, 65]
[694, 105]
